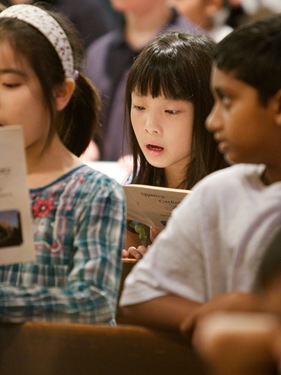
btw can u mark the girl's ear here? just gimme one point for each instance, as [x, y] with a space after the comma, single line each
[63, 93]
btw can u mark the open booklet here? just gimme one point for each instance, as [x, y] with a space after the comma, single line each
[16, 237]
[152, 205]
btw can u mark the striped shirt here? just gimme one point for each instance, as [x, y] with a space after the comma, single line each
[79, 229]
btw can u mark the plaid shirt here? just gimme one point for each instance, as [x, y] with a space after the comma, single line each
[79, 229]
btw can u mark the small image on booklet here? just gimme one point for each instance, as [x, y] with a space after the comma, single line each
[152, 205]
[16, 236]
[10, 228]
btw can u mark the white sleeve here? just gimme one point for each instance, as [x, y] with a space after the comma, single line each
[198, 254]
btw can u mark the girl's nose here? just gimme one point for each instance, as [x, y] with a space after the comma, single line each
[148, 130]
[152, 124]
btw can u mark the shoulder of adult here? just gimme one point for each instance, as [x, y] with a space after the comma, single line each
[96, 54]
[103, 42]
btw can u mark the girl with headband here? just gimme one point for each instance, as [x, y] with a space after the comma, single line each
[78, 213]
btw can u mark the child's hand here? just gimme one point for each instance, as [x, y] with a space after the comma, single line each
[154, 233]
[134, 252]
[138, 252]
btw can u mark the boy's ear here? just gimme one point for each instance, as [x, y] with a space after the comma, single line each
[63, 93]
[277, 105]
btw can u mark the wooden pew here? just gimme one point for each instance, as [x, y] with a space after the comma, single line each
[67, 349]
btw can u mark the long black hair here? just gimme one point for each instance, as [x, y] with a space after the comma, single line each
[178, 66]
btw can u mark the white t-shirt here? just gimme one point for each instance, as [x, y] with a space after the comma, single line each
[214, 240]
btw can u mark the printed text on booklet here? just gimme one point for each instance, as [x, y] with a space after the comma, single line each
[152, 205]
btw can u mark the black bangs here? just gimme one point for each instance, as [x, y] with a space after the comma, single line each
[161, 75]
[157, 84]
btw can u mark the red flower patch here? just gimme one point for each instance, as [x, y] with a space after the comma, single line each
[43, 207]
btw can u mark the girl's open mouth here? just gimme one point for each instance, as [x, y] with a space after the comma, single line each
[154, 148]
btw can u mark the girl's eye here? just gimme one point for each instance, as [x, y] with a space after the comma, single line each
[11, 85]
[138, 107]
[171, 111]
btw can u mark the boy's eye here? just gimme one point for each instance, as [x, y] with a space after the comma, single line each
[223, 98]
[226, 100]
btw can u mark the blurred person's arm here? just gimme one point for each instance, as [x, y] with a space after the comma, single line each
[237, 343]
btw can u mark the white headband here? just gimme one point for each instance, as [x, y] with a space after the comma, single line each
[49, 27]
